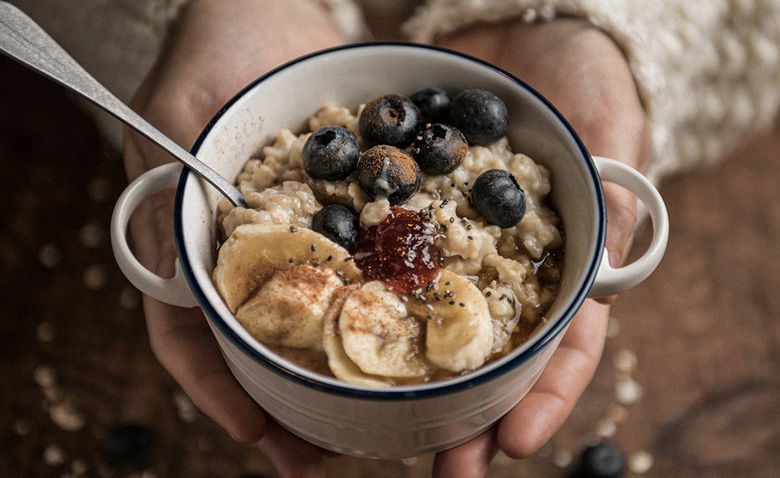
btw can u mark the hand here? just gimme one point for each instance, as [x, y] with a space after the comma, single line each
[584, 74]
[216, 48]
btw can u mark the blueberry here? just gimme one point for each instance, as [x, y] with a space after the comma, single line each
[386, 171]
[602, 460]
[330, 153]
[338, 223]
[439, 149]
[129, 444]
[389, 119]
[498, 198]
[434, 104]
[480, 115]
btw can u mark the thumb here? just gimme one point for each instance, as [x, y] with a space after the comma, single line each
[471, 459]
[630, 145]
[621, 219]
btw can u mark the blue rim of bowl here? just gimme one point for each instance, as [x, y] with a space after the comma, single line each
[446, 387]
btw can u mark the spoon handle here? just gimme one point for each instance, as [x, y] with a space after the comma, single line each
[23, 40]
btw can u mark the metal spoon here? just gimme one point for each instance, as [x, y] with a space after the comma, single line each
[25, 41]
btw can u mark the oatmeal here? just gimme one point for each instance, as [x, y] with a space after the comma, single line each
[466, 276]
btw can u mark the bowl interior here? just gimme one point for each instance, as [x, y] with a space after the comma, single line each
[351, 76]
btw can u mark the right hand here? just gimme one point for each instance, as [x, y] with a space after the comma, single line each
[586, 76]
[216, 48]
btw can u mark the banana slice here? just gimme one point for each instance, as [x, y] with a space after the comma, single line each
[378, 335]
[460, 332]
[288, 309]
[338, 361]
[255, 252]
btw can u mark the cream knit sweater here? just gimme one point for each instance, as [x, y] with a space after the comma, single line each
[708, 71]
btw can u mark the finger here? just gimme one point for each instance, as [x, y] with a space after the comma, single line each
[471, 459]
[184, 345]
[292, 457]
[531, 424]
[621, 221]
[621, 203]
[613, 125]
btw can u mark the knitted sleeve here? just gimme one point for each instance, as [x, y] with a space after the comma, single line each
[117, 41]
[707, 72]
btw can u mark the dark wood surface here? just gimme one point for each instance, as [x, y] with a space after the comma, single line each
[75, 360]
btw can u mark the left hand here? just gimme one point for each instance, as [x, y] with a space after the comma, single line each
[585, 75]
[215, 48]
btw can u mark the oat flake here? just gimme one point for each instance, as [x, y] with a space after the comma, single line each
[627, 391]
[143, 474]
[640, 462]
[95, 277]
[49, 255]
[605, 428]
[625, 361]
[53, 455]
[65, 416]
[613, 327]
[78, 466]
[562, 458]
[617, 413]
[45, 331]
[99, 189]
[21, 428]
[91, 235]
[44, 376]
[52, 394]
[186, 410]
[128, 298]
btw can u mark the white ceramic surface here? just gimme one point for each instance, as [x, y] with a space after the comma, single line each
[409, 420]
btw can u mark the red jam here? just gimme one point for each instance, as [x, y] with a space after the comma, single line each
[399, 251]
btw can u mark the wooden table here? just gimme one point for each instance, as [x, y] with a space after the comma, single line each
[693, 352]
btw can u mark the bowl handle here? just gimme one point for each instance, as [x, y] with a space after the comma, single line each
[612, 280]
[173, 291]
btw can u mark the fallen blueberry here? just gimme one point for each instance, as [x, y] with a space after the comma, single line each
[602, 460]
[129, 444]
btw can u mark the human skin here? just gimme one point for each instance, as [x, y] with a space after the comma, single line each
[218, 46]
[585, 75]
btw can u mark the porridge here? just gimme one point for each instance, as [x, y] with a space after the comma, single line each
[400, 243]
